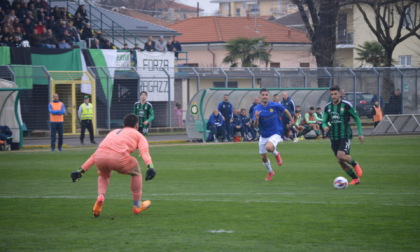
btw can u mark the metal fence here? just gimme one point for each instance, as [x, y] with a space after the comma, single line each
[118, 89]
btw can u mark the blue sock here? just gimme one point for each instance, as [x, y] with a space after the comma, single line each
[137, 203]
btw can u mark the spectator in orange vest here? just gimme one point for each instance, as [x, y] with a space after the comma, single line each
[57, 111]
[376, 113]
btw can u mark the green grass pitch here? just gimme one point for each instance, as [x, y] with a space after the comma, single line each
[213, 197]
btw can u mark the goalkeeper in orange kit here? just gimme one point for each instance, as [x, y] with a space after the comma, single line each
[113, 154]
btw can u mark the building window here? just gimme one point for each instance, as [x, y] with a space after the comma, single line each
[221, 84]
[254, 8]
[238, 12]
[192, 64]
[304, 64]
[405, 60]
[226, 5]
[408, 19]
[275, 64]
[343, 34]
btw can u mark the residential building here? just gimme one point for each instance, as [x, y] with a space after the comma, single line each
[205, 39]
[352, 31]
[269, 8]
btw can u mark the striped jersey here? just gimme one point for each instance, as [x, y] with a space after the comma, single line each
[145, 112]
[338, 116]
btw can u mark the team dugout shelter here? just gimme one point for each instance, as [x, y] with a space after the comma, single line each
[205, 101]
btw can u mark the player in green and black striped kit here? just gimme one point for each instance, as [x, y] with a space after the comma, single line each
[338, 113]
[144, 110]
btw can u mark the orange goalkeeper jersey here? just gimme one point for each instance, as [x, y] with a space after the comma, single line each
[125, 140]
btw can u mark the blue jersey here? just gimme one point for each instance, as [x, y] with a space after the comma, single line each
[289, 104]
[269, 122]
[216, 120]
[226, 109]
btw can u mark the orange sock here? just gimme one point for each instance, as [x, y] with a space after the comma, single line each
[136, 184]
[102, 184]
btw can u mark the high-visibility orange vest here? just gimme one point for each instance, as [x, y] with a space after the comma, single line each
[378, 114]
[56, 106]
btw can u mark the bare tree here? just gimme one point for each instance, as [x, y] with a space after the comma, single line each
[394, 22]
[391, 19]
[321, 27]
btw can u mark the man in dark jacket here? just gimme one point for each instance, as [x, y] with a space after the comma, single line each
[226, 109]
[289, 104]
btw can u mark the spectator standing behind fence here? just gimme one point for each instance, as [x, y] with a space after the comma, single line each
[57, 111]
[150, 45]
[85, 114]
[226, 109]
[169, 46]
[160, 45]
[178, 112]
[176, 46]
[394, 103]
[376, 113]
[144, 110]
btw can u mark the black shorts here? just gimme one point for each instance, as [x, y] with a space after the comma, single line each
[340, 145]
[144, 131]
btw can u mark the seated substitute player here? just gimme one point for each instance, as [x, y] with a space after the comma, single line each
[248, 126]
[216, 126]
[267, 118]
[338, 113]
[310, 121]
[297, 120]
[237, 123]
[113, 154]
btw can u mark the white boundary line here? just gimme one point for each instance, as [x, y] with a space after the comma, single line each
[119, 197]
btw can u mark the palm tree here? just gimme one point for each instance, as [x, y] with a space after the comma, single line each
[246, 51]
[372, 53]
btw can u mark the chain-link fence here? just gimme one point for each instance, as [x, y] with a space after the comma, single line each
[117, 89]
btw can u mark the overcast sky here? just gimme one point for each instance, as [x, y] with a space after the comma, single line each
[209, 8]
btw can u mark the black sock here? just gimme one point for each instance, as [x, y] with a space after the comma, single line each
[351, 174]
[353, 163]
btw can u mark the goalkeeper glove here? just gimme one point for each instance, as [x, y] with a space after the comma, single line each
[77, 175]
[151, 173]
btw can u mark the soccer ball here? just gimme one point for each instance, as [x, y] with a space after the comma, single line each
[340, 183]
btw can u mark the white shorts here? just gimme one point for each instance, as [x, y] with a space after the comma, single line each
[275, 139]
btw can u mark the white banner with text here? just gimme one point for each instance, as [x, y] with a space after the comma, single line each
[153, 78]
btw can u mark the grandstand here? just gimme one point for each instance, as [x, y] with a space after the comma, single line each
[22, 20]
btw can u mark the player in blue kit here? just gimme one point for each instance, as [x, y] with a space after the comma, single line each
[266, 117]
